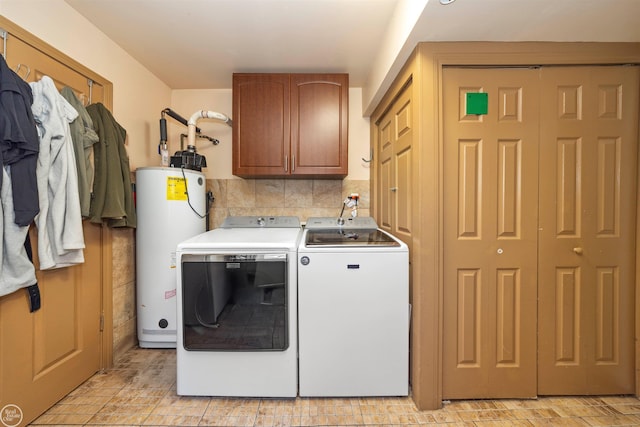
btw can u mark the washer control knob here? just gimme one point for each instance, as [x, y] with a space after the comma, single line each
[304, 260]
[163, 323]
[261, 222]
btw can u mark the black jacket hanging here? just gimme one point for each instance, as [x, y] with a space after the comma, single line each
[19, 142]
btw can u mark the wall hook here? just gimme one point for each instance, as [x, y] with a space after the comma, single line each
[28, 70]
[370, 157]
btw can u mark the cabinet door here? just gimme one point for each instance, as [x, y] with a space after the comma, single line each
[261, 125]
[319, 124]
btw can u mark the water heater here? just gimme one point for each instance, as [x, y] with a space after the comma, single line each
[171, 206]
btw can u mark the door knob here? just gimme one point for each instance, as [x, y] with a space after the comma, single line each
[577, 251]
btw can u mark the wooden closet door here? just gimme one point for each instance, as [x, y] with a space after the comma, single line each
[589, 138]
[490, 234]
[396, 168]
[46, 354]
[386, 136]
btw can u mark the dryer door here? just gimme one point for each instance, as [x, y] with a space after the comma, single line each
[235, 302]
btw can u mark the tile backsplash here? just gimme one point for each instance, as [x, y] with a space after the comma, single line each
[303, 198]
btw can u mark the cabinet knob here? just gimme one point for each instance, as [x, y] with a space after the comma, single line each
[394, 189]
[577, 251]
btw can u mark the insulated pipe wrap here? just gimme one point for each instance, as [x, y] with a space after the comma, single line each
[202, 114]
[163, 130]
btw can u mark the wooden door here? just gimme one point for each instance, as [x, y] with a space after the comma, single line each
[319, 124]
[385, 166]
[589, 137]
[46, 354]
[261, 125]
[490, 234]
[395, 167]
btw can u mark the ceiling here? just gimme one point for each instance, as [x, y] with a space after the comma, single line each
[194, 44]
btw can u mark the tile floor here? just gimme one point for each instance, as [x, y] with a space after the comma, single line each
[140, 391]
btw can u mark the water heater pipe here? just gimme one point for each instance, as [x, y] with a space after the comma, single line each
[202, 114]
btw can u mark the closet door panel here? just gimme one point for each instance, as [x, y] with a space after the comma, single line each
[490, 229]
[404, 174]
[587, 245]
[396, 168]
[386, 136]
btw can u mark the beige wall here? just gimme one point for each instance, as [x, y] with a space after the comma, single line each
[392, 53]
[138, 96]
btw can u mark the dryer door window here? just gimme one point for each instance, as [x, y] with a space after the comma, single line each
[235, 302]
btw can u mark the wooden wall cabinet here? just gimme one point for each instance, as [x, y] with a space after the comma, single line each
[290, 125]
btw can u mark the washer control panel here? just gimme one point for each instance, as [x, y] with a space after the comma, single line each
[333, 223]
[261, 222]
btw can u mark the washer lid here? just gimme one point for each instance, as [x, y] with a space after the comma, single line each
[350, 237]
[243, 239]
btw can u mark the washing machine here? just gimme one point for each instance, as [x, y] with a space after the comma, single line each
[353, 310]
[237, 309]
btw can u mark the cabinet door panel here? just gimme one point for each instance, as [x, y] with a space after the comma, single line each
[319, 115]
[261, 124]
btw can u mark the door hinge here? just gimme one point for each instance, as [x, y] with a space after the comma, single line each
[101, 322]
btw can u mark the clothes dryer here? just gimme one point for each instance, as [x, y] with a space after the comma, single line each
[237, 311]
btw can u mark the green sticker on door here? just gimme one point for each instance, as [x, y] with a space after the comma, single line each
[477, 102]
